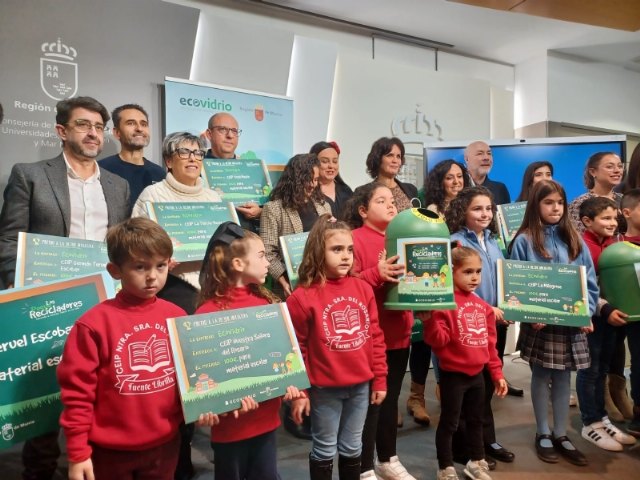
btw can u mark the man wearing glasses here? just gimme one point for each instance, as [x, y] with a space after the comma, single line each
[66, 196]
[223, 132]
[131, 129]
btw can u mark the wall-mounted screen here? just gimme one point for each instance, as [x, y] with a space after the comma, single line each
[568, 155]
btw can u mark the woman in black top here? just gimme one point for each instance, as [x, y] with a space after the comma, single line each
[336, 192]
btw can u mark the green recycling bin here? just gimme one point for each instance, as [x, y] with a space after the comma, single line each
[421, 238]
[619, 267]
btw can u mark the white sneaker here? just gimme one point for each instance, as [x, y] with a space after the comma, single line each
[477, 470]
[368, 474]
[448, 473]
[393, 470]
[617, 434]
[573, 401]
[597, 434]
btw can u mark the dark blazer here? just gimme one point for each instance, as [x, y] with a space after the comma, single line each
[36, 200]
[499, 191]
[409, 189]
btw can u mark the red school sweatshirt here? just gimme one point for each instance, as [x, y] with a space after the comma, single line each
[464, 339]
[368, 245]
[338, 332]
[117, 377]
[256, 422]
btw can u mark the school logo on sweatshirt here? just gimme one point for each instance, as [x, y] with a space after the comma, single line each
[472, 325]
[142, 361]
[346, 324]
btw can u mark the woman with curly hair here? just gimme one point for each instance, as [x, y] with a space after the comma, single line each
[442, 184]
[293, 207]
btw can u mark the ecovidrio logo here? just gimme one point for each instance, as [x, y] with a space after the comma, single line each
[206, 104]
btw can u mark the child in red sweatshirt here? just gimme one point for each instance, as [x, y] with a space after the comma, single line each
[234, 269]
[117, 377]
[464, 341]
[370, 210]
[336, 322]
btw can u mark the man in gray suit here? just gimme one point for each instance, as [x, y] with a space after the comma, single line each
[67, 196]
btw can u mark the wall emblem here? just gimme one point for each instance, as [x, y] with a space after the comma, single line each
[58, 70]
[416, 127]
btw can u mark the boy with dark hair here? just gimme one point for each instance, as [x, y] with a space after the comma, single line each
[117, 377]
[630, 206]
[599, 216]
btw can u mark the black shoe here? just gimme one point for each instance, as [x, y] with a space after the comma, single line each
[499, 453]
[514, 391]
[574, 455]
[546, 454]
[462, 460]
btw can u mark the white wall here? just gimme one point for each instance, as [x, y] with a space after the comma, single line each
[593, 94]
[531, 92]
[249, 46]
[376, 98]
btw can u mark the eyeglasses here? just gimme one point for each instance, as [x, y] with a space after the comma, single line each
[234, 132]
[83, 126]
[185, 154]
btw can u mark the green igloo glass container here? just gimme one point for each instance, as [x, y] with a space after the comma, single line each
[421, 238]
[619, 267]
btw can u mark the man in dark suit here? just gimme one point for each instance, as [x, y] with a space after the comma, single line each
[67, 196]
[479, 161]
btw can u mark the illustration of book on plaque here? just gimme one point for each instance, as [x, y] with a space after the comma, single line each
[190, 225]
[238, 180]
[225, 356]
[46, 258]
[292, 250]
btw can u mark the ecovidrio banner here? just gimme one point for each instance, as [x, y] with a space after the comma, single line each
[266, 120]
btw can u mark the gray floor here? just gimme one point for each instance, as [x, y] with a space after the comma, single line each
[515, 430]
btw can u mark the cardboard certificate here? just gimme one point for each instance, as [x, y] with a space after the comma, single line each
[238, 181]
[225, 356]
[190, 224]
[427, 278]
[292, 249]
[543, 293]
[510, 217]
[45, 258]
[36, 321]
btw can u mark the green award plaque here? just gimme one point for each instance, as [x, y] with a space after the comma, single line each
[36, 321]
[46, 258]
[190, 224]
[549, 293]
[238, 181]
[427, 281]
[510, 217]
[292, 249]
[225, 356]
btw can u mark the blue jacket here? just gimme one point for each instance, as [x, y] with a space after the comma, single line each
[488, 289]
[522, 249]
